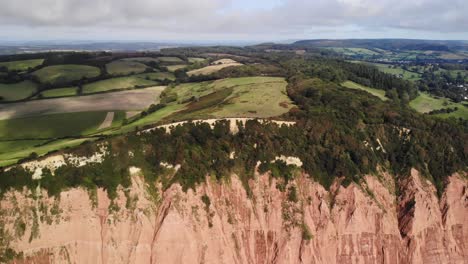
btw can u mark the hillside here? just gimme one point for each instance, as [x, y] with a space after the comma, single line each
[283, 157]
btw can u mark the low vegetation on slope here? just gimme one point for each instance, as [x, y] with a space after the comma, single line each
[51, 126]
[63, 74]
[376, 92]
[214, 67]
[40, 133]
[443, 107]
[17, 91]
[123, 67]
[60, 92]
[21, 65]
[117, 84]
[130, 100]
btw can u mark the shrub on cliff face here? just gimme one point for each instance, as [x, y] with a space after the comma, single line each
[306, 234]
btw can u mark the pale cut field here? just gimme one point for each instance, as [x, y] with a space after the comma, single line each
[131, 100]
[214, 67]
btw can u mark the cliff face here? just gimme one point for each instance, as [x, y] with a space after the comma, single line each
[221, 223]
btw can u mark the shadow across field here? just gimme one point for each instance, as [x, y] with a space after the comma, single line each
[125, 101]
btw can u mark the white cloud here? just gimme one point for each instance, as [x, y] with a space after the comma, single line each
[205, 18]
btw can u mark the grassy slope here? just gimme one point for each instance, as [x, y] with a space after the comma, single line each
[116, 83]
[425, 103]
[68, 91]
[376, 92]
[141, 59]
[169, 59]
[353, 51]
[11, 157]
[125, 67]
[407, 75]
[257, 97]
[173, 68]
[21, 65]
[250, 97]
[211, 69]
[17, 91]
[51, 126]
[194, 59]
[233, 97]
[66, 73]
[157, 76]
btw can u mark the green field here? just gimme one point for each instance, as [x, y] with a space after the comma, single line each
[354, 51]
[170, 59]
[425, 103]
[117, 83]
[23, 148]
[142, 59]
[398, 71]
[51, 126]
[63, 74]
[17, 91]
[157, 76]
[124, 67]
[21, 65]
[234, 97]
[152, 118]
[193, 59]
[376, 92]
[173, 68]
[68, 91]
[22, 136]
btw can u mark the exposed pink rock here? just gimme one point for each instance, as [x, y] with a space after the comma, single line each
[363, 223]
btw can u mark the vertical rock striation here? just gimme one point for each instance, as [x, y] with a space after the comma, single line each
[365, 223]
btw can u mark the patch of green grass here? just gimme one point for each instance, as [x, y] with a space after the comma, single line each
[117, 83]
[232, 97]
[142, 59]
[122, 67]
[21, 65]
[250, 96]
[18, 145]
[63, 74]
[12, 157]
[17, 91]
[68, 91]
[51, 126]
[255, 97]
[354, 51]
[376, 92]
[193, 59]
[157, 76]
[425, 103]
[398, 71]
[153, 118]
[170, 59]
[173, 68]
[204, 106]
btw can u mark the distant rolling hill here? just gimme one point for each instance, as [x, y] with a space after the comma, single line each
[387, 44]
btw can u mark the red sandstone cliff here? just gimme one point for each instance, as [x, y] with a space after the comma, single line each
[364, 223]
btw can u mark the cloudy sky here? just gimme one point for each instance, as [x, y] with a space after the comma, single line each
[231, 20]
